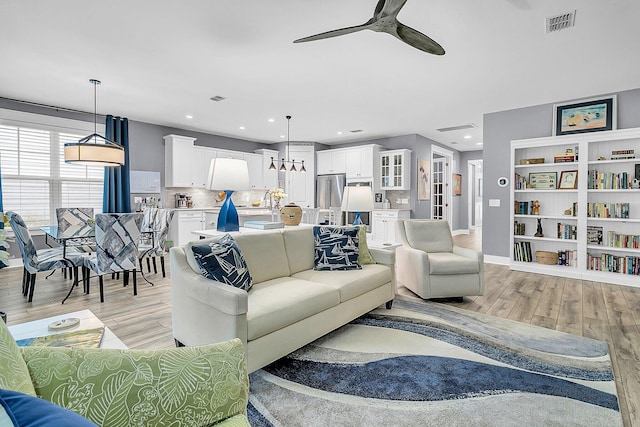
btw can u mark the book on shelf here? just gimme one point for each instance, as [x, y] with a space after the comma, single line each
[519, 228]
[522, 252]
[594, 235]
[608, 210]
[567, 231]
[614, 263]
[263, 225]
[86, 338]
[559, 158]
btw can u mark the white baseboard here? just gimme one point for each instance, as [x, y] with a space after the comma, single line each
[458, 232]
[493, 259]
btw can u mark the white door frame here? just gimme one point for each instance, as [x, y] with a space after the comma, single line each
[448, 167]
[472, 166]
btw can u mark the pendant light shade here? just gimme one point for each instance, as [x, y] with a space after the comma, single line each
[283, 163]
[94, 150]
[272, 167]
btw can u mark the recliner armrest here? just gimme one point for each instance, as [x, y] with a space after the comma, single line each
[383, 256]
[469, 253]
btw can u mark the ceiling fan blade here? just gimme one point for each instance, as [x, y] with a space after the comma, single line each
[333, 33]
[418, 40]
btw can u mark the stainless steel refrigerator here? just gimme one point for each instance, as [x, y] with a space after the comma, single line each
[329, 190]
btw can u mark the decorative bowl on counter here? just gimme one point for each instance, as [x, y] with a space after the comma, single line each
[291, 214]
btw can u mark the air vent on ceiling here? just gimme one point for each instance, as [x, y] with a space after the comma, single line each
[461, 127]
[217, 98]
[356, 131]
[560, 22]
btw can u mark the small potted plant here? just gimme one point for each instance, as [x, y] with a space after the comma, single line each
[277, 194]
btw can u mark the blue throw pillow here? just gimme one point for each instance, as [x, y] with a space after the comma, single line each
[28, 411]
[222, 261]
[336, 248]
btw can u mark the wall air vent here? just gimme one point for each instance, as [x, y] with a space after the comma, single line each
[560, 22]
[461, 127]
[217, 98]
[356, 131]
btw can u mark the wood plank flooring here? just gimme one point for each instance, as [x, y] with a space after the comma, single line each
[596, 310]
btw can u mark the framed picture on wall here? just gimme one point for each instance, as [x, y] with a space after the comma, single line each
[424, 184]
[589, 115]
[457, 184]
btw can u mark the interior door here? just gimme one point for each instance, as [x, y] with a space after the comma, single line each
[438, 200]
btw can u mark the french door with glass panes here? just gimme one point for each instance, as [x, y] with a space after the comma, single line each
[439, 199]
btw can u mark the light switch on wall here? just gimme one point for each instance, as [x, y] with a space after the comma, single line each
[495, 203]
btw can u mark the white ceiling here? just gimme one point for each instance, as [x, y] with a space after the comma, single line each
[160, 61]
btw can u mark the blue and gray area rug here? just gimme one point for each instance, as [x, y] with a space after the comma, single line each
[427, 364]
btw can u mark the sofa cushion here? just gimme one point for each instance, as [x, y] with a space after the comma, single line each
[336, 248]
[278, 303]
[223, 261]
[351, 283]
[364, 256]
[29, 411]
[14, 374]
[265, 255]
[449, 263]
[299, 244]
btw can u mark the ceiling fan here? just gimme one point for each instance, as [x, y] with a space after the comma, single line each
[384, 20]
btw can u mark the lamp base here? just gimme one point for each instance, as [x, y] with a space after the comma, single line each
[357, 220]
[228, 215]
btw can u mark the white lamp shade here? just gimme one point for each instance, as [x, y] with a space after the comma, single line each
[88, 154]
[228, 174]
[357, 199]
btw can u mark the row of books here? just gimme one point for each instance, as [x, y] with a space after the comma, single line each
[594, 235]
[608, 210]
[522, 252]
[609, 180]
[568, 258]
[567, 231]
[630, 241]
[523, 208]
[622, 154]
[519, 182]
[518, 228]
[614, 263]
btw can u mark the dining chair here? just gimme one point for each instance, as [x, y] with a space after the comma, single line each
[117, 237]
[71, 220]
[37, 260]
[149, 249]
[310, 215]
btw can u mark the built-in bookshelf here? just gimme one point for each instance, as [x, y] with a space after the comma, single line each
[578, 196]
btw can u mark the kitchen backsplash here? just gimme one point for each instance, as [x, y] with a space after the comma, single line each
[394, 195]
[207, 198]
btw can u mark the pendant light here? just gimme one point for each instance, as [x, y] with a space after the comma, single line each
[283, 166]
[94, 150]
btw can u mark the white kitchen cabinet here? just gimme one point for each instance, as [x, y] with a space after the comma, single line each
[184, 222]
[269, 177]
[201, 161]
[383, 224]
[395, 170]
[300, 187]
[178, 155]
[254, 164]
[361, 162]
[331, 162]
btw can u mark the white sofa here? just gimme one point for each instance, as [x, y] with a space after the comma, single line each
[289, 305]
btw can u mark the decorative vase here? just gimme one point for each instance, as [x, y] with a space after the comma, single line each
[277, 206]
[291, 214]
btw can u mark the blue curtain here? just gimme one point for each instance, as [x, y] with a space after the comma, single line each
[117, 193]
[4, 255]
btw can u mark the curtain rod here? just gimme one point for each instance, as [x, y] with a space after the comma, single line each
[51, 107]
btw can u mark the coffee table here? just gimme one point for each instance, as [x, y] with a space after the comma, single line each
[88, 320]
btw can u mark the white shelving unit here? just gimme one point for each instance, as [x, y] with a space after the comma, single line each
[591, 147]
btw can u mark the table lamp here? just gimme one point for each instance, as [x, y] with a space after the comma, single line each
[357, 199]
[228, 175]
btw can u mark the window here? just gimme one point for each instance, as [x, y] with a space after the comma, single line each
[35, 178]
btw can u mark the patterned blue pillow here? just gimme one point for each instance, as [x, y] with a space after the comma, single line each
[28, 411]
[336, 248]
[222, 261]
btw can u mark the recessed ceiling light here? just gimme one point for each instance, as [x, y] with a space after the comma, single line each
[478, 143]
[242, 128]
[271, 120]
[467, 137]
[189, 116]
[281, 136]
[339, 133]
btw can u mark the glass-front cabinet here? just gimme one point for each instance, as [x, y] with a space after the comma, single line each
[395, 169]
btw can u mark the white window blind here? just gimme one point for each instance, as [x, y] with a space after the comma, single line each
[35, 178]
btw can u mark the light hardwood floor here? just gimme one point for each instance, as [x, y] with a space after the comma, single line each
[596, 310]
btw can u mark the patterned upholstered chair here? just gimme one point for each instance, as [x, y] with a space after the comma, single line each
[117, 237]
[73, 219]
[39, 260]
[149, 249]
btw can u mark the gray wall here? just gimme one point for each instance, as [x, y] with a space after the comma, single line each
[462, 208]
[531, 122]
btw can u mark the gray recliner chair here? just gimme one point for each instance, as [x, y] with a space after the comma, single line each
[430, 265]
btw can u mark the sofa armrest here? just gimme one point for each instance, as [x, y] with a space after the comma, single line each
[198, 385]
[383, 256]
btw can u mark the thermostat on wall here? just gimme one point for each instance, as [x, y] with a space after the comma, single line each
[503, 181]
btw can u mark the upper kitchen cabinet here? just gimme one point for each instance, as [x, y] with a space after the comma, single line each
[201, 161]
[331, 162]
[395, 173]
[178, 152]
[361, 162]
[256, 173]
[269, 176]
